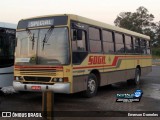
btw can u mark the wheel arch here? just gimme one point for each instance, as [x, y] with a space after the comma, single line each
[97, 74]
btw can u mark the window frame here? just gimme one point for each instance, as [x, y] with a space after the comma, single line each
[86, 42]
[100, 36]
[85, 29]
[143, 46]
[113, 41]
[148, 47]
[132, 45]
[119, 43]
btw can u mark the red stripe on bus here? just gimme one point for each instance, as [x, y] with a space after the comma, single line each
[114, 63]
[38, 67]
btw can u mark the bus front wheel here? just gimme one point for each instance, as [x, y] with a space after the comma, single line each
[92, 85]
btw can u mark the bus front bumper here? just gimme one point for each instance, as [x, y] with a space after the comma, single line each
[56, 88]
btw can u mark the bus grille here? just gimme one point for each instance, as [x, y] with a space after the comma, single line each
[40, 79]
[35, 72]
[38, 71]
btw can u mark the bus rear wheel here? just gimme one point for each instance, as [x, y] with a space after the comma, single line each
[92, 85]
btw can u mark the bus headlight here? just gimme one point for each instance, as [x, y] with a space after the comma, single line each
[18, 78]
[55, 79]
[60, 79]
[65, 79]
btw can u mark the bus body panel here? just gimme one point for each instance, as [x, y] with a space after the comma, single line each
[118, 68]
[112, 67]
[7, 40]
[6, 76]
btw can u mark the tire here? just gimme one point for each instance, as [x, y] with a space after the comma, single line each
[136, 80]
[92, 85]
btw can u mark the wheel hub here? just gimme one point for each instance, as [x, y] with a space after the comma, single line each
[137, 78]
[91, 85]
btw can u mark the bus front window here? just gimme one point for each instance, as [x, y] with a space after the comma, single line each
[51, 47]
[25, 47]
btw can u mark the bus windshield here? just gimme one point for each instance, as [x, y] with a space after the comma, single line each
[7, 44]
[43, 46]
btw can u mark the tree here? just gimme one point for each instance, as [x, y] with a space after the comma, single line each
[136, 21]
[140, 21]
[157, 35]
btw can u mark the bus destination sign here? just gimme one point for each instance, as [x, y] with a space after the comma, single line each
[41, 23]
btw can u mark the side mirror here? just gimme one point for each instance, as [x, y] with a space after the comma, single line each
[79, 34]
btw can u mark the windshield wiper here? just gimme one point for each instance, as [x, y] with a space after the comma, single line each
[31, 37]
[47, 36]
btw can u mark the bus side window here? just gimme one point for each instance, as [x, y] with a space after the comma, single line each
[119, 43]
[95, 40]
[1, 46]
[108, 43]
[128, 44]
[148, 48]
[143, 46]
[79, 47]
[136, 45]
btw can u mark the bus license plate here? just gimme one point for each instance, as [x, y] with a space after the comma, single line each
[36, 87]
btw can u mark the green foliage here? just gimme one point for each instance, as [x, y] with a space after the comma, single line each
[140, 21]
[157, 34]
[137, 21]
[156, 52]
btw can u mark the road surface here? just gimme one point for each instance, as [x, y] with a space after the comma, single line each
[104, 101]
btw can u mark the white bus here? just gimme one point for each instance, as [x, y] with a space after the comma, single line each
[7, 47]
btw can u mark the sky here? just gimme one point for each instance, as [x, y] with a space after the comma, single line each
[101, 10]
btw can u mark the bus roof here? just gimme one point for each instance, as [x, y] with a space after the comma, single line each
[98, 24]
[8, 25]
